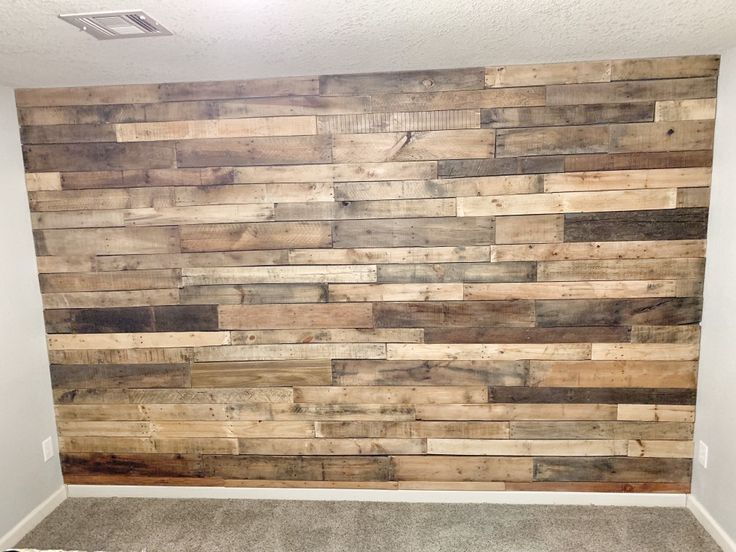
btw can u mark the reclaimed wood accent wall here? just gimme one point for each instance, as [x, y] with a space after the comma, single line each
[485, 278]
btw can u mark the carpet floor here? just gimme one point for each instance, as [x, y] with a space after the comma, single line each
[161, 525]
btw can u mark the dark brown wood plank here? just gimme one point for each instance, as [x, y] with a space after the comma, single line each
[118, 320]
[613, 469]
[64, 134]
[616, 312]
[99, 156]
[496, 167]
[185, 318]
[158, 465]
[633, 161]
[592, 395]
[309, 468]
[282, 150]
[593, 334]
[664, 224]
[458, 314]
[95, 376]
[508, 117]
[399, 82]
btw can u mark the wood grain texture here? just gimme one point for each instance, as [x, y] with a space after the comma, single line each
[486, 278]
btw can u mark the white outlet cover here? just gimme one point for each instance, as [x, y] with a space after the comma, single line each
[48, 449]
[703, 454]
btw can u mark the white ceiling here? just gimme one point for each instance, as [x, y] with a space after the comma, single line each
[241, 39]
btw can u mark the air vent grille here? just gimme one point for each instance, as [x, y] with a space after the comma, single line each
[117, 24]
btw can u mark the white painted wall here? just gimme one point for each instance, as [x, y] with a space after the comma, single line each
[715, 487]
[26, 411]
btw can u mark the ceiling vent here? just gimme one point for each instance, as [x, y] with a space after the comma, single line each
[117, 24]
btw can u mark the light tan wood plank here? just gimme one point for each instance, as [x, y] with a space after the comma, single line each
[628, 373]
[36, 182]
[305, 351]
[685, 110]
[396, 292]
[541, 447]
[656, 413]
[391, 255]
[660, 449]
[600, 250]
[628, 180]
[338, 172]
[622, 269]
[329, 335]
[550, 351]
[220, 429]
[207, 214]
[274, 317]
[138, 340]
[391, 395]
[234, 374]
[570, 290]
[552, 73]
[530, 229]
[278, 275]
[310, 447]
[94, 299]
[645, 351]
[557, 412]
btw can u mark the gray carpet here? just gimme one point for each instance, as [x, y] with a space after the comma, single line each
[126, 525]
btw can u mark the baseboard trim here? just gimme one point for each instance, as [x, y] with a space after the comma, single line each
[710, 524]
[36, 516]
[675, 500]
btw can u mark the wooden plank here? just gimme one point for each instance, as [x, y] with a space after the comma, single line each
[648, 160]
[599, 250]
[104, 429]
[87, 95]
[260, 428]
[576, 334]
[328, 335]
[557, 412]
[109, 281]
[391, 395]
[302, 351]
[207, 214]
[243, 374]
[94, 199]
[98, 156]
[274, 317]
[666, 224]
[407, 170]
[600, 430]
[628, 180]
[660, 449]
[645, 351]
[395, 292]
[685, 110]
[245, 236]
[138, 340]
[278, 274]
[413, 146]
[77, 219]
[456, 272]
[150, 464]
[665, 334]
[383, 209]
[94, 299]
[552, 73]
[124, 445]
[588, 395]
[216, 90]
[253, 193]
[67, 134]
[570, 290]
[458, 314]
[316, 447]
[126, 319]
[414, 232]
[563, 115]
[107, 241]
[121, 356]
[662, 136]
[530, 229]
[80, 114]
[464, 351]
[640, 91]
[179, 395]
[238, 294]
[113, 263]
[451, 468]
[693, 197]
[424, 372]
[455, 187]
[612, 469]
[663, 68]
[223, 128]
[395, 255]
[36, 182]
[540, 447]
[614, 373]
[657, 412]
[398, 82]
[553, 140]
[285, 150]
[612, 312]
[470, 99]
[569, 202]
[413, 430]
[622, 269]
[450, 119]
[120, 376]
[316, 468]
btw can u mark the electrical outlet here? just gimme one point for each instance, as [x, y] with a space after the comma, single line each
[703, 454]
[48, 449]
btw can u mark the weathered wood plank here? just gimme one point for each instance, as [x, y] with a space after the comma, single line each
[278, 274]
[109, 281]
[570, 289]
[530, 229]
[612, 469]
[628, 161]
[244, 374]
[114, 263]
[395, 292]
[215, 90]
[563, 115]
[456, 272]
[391, 395]
[657, 412]
[382, 209]
[451, 468]
[36, 182]
[397, 82]
[87, 95]
[498, 411]
[413, 430]
[553, 140]
[329, 335]
[581, 334]
[106, 299]
[302, 351]
[393, 255]
[662, 136]
[685, 110]
[402, 170]
[665, 334]
[595, 395]
[286, 150]
[120, 376]
[420, 232]
[622, 269]
[244, 236]
[663, 249]
[640, 91]
[660, 449]
[628, 180]
[104, 241]
[458, 314]
[464, 351]
[600, 430]
[651, 374]
[314, 468]
[138, 340]
[614, 312]
[438, 101]
[329, 447]
[178, 395]
[413, 146]
[241, 294]
[253, 193]
[98, 156]
[645, 351]
[666, 224]
[274, 317]
[538, 447]
[551, 73]
[663, 68]
[450, 119]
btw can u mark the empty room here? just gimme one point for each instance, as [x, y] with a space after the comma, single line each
[354, 275]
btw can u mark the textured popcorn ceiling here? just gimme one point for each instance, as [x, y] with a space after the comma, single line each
[236, 39]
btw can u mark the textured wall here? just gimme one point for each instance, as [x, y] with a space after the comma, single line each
[473, 278]
[26, 413]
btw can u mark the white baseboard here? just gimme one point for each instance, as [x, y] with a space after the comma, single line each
[24, 526]
[711, 525]
[373, 495]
